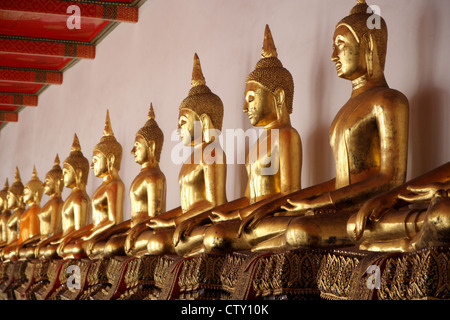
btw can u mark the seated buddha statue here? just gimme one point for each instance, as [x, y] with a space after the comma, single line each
[202, 175]
[411, 217]
[147, 191]
[4, 215]
[107, 199]
[50, 213]
[16, 205]
[273, 163]
[368, 137]
[29, 220]
[77, 206]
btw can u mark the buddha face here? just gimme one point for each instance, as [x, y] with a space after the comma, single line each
[27, 195]
[12, 200]
[3, 204]
[347, 54]
[260, 104]
[69, 176]
[99, 164]
[140, 150]
[190, 127]
[49, 185]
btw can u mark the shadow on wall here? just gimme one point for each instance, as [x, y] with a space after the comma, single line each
[427, 107]
[319, 157]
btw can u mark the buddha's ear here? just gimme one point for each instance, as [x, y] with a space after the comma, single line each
[371, 53]
[110, 159]
[280, 96]
[78, 174]
[206, 126]
[151, 148]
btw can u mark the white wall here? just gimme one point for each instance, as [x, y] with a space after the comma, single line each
[151, 61]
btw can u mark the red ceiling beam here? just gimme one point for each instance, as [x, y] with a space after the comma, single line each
[47, 48]
[9, 117]
[33, 76]
[19, 99]
[88, 10]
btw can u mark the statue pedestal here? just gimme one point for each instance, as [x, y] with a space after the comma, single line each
[139, 278]
[16, 277]
[350, 274]
[23, 291]
[115, 284]
[49, 282]
[285, 275]
[199, 278]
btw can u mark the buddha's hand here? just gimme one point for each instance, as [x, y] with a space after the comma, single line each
[62, 245]
[373, 209]
[299, 207]
[184, 229]
[90, 248]
[423, 194]
[129, 242]
[219, 216]
[160, 223]
[253, 219]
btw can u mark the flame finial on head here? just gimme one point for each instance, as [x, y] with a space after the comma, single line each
[268, 49]
[151, 112]
[108, 129]
[76, 143]
[6, 185]
[197, 74]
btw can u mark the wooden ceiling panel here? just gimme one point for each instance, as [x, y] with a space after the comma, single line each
[39, 41]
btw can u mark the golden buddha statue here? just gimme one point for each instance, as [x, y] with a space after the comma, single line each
[50, 213]
[5, 213]
[29, 220]
[410, 217]
[273, 164]
[202, 176]
[369, 139]
[76, 208]
[147, 191]
[107, 200]
[16, 205]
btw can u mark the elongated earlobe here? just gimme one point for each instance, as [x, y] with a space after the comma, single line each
[206, 127]
[369, 55]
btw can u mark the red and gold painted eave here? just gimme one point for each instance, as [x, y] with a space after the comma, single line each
[36, 45]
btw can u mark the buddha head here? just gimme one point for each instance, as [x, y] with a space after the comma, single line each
[357, 49]
[14, 196]
[3, 195]
[33, 190]
[107, 153]
[269, 90]
[53, 183]
[201, 111]
[75, 167]
[149, 141]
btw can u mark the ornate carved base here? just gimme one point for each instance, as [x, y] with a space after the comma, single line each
[22, 292]
[40, 278]
[359, 275]
[115, 285]
[49, 282]
[166, 275]
[285, 275]
[199, 278]
[91, 280]
[15, 279]
[140, 278]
